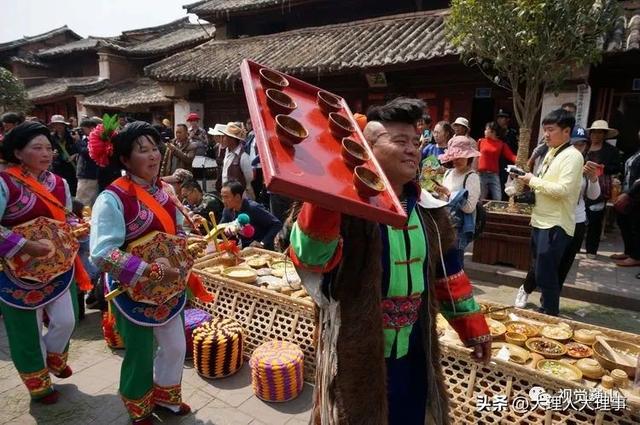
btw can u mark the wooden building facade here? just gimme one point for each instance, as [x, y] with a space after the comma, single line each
[367, 62]
[95, 75]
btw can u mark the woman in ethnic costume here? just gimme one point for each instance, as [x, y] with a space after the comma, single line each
[29, 191]
[377, 288]
[129, 208]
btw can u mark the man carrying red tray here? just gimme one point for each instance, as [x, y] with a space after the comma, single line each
[379, 288]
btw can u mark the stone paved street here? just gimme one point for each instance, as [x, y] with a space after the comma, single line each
[90, 395]
[596, 280]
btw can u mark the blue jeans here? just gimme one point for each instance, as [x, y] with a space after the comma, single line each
[490, 185]
[462, 241]
[547, 249]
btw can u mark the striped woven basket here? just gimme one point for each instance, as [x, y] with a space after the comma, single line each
[193, 317]
[277, 370]
[217, 348]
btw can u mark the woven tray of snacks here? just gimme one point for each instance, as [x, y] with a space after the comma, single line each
[263, 292]
[532, 349]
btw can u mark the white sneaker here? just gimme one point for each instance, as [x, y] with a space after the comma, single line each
[521, 298]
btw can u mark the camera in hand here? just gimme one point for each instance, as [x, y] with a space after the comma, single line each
[512, 169]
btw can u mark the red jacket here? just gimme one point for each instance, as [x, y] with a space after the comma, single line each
[491, 150]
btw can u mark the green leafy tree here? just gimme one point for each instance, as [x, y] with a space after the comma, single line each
[530, 46]
[13, 95]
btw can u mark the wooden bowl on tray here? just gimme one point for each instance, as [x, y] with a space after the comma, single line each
[290, 131]
[499, 315]
[241, 274]
[557, 332]
[601, 355]
[328, 102]
[522, 328]
[272, 79]
[340, 126]
[578, 350]
[515, 338]
[590, 368]
[496, 328]
[257, 263]
[280, 102]
[516, 354]
[367, 182]
[549, 348]
[353, 153]
[586, 336]
[559, 369]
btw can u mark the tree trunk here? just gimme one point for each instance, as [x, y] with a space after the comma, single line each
[524, 140]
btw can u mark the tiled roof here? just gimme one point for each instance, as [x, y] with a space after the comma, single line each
[218, 7]
[371, 43]
[86, 44]
[626, 33]
[57, 87]
[180, 34]
[35, 38]
[29, 60]
[189, 34]
[141, 91]
[178, 23]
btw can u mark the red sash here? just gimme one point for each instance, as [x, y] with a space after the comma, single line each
[58, 212]
[168, 224]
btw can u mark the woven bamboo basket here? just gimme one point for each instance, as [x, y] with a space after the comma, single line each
[532, 316]
[467, 379]
[265, 315]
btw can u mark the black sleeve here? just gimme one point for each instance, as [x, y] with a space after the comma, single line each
[226, 216]
[612, 161]
[634, 190]
[264, 219]
[83, 146]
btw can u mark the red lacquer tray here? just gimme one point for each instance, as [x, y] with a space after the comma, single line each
[313, 170]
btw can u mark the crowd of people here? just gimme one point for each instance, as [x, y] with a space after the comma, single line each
[570, 195]
[182, 179]
[141, 200]
[141, 180]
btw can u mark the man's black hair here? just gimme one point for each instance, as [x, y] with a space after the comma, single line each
[400, 109]
[562, 118]
[88, 122]
[235, 187]
[183, 126]
[12, 118]
[192, 184]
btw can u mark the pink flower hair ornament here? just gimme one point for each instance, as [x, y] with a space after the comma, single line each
[100, 140]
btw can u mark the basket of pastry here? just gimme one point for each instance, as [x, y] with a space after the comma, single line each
[261, 290]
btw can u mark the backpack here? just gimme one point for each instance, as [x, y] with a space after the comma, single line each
[481, 212]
